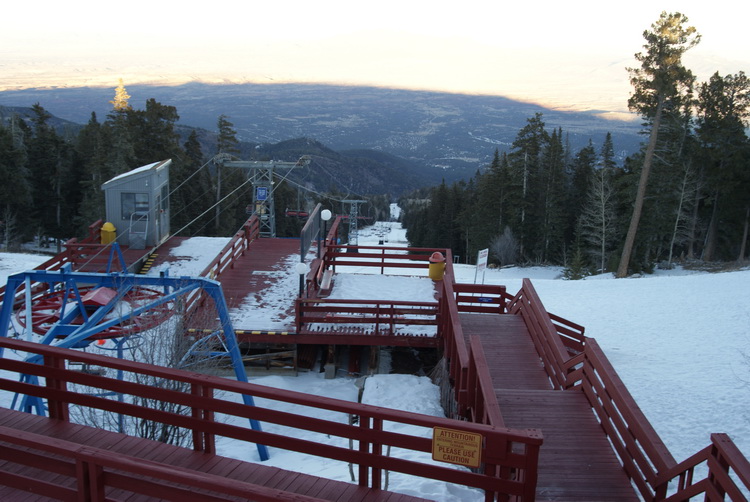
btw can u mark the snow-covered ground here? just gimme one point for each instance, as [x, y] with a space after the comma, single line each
[680, 341]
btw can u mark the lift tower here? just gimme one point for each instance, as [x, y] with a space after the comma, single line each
[353, 220]
[261, 173]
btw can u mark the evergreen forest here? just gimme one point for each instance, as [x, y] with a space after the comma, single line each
[54, 177]
[684, 196]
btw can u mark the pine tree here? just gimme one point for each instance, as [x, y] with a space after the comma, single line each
[54, 199]
[661, 81]
[577, 269]
[152, 133]
[90, 151]
[607, 153]
[723, 112]
[15, 193]
[225, 182]
[485, 206]
[582, 171]
[116, 135]
[596, 224]
[525, 161]
[191, 185]
[552, 198]
[120, 102]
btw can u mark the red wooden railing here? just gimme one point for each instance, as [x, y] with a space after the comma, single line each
[386, 318]
[481, 298]
[95, 469]
[226, 258]
[504, 451]
[576, 363]
[722, 458]
[550, 346]
[383, 257]
[481, 400]
[234, 249]
[58, 261]
[452, 338]
[89, 252]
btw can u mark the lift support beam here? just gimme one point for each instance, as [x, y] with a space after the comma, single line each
[78, 335]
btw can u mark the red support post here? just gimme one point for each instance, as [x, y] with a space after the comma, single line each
[203, 441]
[58, 409]
[364, 447]
[377, 451]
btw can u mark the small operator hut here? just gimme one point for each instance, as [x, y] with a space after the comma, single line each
[137, 204]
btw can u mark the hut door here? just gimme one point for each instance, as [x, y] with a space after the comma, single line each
[162, 218]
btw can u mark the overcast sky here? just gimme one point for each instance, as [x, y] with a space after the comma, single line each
[566, 54]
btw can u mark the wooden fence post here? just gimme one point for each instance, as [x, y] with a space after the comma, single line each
[203, 441]
[58, 409]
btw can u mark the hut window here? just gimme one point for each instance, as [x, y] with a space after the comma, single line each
[133, 203]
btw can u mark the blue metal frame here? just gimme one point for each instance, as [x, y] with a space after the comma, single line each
[65, 335]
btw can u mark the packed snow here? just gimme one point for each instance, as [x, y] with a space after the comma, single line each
[678, 339]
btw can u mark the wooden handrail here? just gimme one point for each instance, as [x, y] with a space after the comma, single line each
[225, 259]
[550, 347]
[233, 249]
[481, 298]
[383, 315]
[123, 471]
[482, 399]
[717, 459]
[451, 334]
[633, 438]
[503, 450]
[577, 363]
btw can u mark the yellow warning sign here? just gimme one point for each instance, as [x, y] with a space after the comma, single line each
[456, 447]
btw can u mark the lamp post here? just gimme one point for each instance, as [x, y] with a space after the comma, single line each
[325, 215]
[301, 269]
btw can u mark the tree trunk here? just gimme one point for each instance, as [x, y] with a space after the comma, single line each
[743, 245]
[622, 269]
[683, 195]
[694, 218]
[710, 245]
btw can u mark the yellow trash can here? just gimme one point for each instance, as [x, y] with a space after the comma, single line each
[108, 233]
[437, 266]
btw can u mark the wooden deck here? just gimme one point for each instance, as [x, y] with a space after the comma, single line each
[576, 461]
[171, 456]
[257, 270]
[262, 266]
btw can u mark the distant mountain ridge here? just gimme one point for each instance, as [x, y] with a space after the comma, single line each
[453, 133]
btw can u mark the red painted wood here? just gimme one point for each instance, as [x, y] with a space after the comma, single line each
[253, 272]
[227, 468]
[576, 461]
[512, 359]
[499, 442]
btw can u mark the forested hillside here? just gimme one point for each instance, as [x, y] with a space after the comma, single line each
[54, 171]
[686, 194]
[450, 133]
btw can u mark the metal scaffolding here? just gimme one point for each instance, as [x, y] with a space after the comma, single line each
[354, 220]
[261, 174]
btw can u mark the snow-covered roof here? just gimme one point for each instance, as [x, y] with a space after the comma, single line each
[138, 170]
